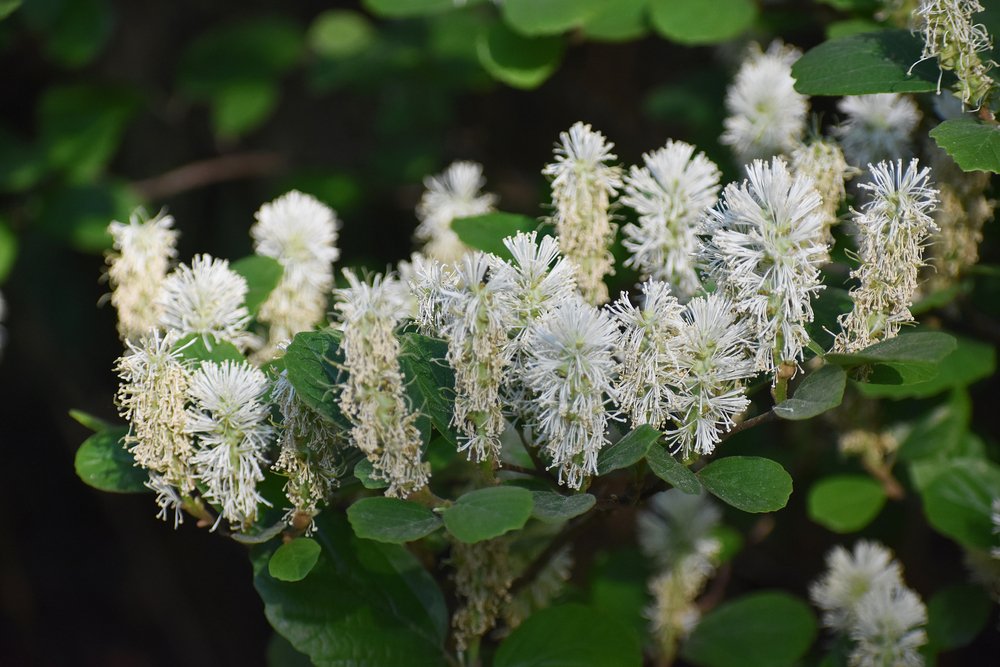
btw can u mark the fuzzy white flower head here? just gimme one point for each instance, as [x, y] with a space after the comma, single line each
[431, 282]
[454, 193]
[764, 246]
[893, 227]
[137, 265]
[876, 127]
[952, 36]
[823, 161]
[205, 298]
[583, 184]
[670, 194]
[888, 628]
[767, 116]
[229, 418]
[301, 233]
[849, 577]
[570, 370]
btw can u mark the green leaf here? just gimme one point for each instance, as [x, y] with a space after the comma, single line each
[670, 470]
[570, 635]
[103, 462]
[8, 251]
[700, 22]
[973, 145]
[921, 347]
[241, 107]
[391, 520]
[955, 615]
[294, 560]
[95, 424]
[262, 275]
[938, 433]
[363, 471]
[22, 163]
[845, 503]
[849, 27]
[340, 33]
[407, 8]
[970, 362]
[8, 7]
[875, 62]
[820, 391]
[552, 507]
[748, 483]
[533, 18]
[79, 214]
[430, 381]
[766, 629]
[957, 501]
[521, 62]
[193, 348]
[282, 654]
[628, 451]
[486, 232]
[310, 360]
[620, 21]
[364, 603]
[487, 513]
[73, 31]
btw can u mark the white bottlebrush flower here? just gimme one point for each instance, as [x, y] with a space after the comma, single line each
[893, 228]
[960, 45]
[482, 576]
[431, 282]
[301, 234]
[713, 360]
[889, 628]
[876, 127]
[583, 183]
[229, 418]
[767, 116]
[764, 247]
[137, 265]
[823, 161]
[205, 298]
[372, 398]
[849, 577]
[670, 194]
[454, 193]
[570, 372]
[646, 374]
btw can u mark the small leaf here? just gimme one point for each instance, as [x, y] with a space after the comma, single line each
[363, 471]
[766, 629]
[927, 347]
[748, 483]
[193, 347]
[700, 22]
[956, 615]
[958, 501]
[552, 17]
[95, 424]
[552, 507]
[294, 560]
[845, 503]
[670, 470]
[241, 107]
[627, 451]
[103, 462]
[262, 275]
[486, 232]
[973, 145]
[820, 391]
[340, 33]
[487, 513]
[391, 520]
[521, 62]
[875, 62]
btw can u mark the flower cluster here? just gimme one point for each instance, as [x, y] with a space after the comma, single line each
[455, 193]
[959, 44]
[206, 298]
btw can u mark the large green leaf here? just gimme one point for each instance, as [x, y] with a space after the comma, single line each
[700, 22]
[971, 361]
[749, 483]
[669, 469]
[294, 560]
[820, 391]
[486, 232]
[955, 615]
[391, 520]
[937, 433]
[911, 355]
[958, 501]
[521, 62]
[552, 507]
[310, 361]
[875, 62]
[364, 603]
[845, 503]
[430, 380]
[103, 462]
[628, 451]
[570, 635]
[766, 629]
[262, 275]
[973, 145]
[532, 18]
[487, 513]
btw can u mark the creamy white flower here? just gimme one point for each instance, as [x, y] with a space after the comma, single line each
[888, 628]
[960, 45]
[205, 298]
[583, 184]
[849, 577]
[430, 283]
[454, 193]
[876, 127]
[670, 194]
[823, 162]
[767, 116]
[137, 265]
[893, 228]
[168, 499]
[229, 418]
[764, 247]
[301, 233]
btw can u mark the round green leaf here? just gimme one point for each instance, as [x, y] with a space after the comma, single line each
[627, 451]
[767, 629]
[845, 503]
[391, 520]
[955, 615]
[532, 18]
[486, 232]
[364, 470]
[973, 145]
[103, 462]
[340, 33]
[241, 107]
[521, 62]
[957, 501]
[294, 560]
[820, 391]
[700, 22]
[552, 507]
[748, 483]
[487, 513]
[262, 275]
[570, 635]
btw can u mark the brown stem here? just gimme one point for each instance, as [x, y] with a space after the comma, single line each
[893, 489]
[768, 416]
[206, 172]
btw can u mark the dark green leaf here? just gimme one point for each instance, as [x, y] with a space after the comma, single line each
[521, 62]
[363, 471]
[103, 462]
[294, 560]
[552, 507]
[619, 21]
[667, 468]
[405, 8]
[749, 483]
[241, 107]
[282, 654]
[74, 31]
[486, 232]
[430, 381]
[8, 7]
[310, 361]
[262, 275]
[8, 251]
[973, 145]
[340, 33]
[971, 361]
[922, 347]
[956, 614]
[700, 22]
[627, 451]
[79, 214]
[875, 62]
[391, 520]
[766, 629]
[617, 584]
[957, 501]
[849, 27]
[845, 503]
[938, 433]
[533, 18]
[487, 513]
[22, 163]
[820, 391]
[570, 635]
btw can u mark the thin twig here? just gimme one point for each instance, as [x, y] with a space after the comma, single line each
[206, 172]
[750, 423]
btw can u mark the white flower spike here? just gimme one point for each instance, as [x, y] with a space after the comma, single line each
[206, 298]
[876, 127]
[454, 193]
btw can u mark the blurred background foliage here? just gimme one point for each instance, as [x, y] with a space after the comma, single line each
[210, 109]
